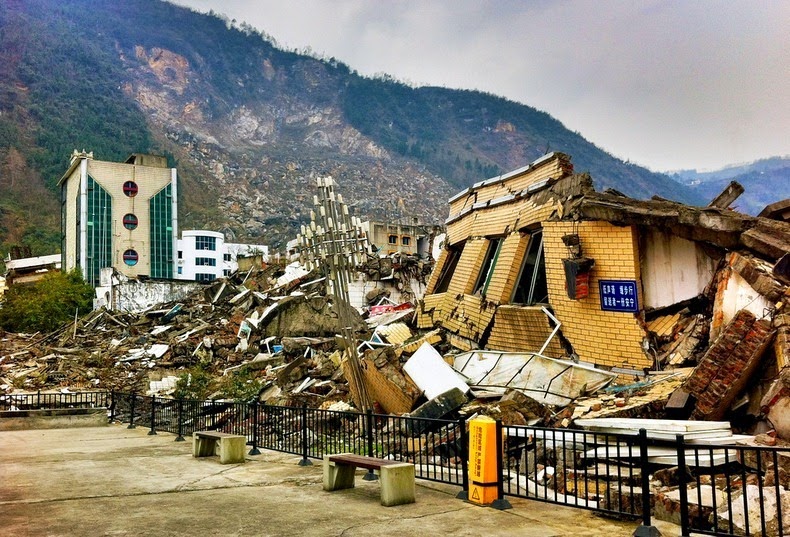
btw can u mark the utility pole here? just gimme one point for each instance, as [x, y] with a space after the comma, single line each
[334, 241]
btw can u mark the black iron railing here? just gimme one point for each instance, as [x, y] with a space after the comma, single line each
[723, 489]
[734, 489]
[51, 400]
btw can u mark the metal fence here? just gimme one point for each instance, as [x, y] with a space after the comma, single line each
[722, 490]
[597, 471]
[52, 400]
[734, 490]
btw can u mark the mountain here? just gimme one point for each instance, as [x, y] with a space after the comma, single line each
[765, 181]
[247, 124]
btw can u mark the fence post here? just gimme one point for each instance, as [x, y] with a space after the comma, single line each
[305, 461]
[180, 437]
[464, 494]
[112, 406]
[500, 503]
[153, 416]
[646, 529]
[370, 476]
[254, 450]
[38, 399]
[131, 413]
[685, 529]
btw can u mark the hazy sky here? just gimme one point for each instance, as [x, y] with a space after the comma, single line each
[665, 84]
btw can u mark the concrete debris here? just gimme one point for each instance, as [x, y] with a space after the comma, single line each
[675, 312]
[431, 373]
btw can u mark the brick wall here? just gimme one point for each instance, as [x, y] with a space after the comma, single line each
[601, 337]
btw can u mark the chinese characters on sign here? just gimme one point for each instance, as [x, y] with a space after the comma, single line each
[618, 295]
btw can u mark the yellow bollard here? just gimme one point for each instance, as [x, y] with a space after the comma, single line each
[482, 461]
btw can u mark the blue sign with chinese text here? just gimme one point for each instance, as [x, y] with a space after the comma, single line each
[618, 295]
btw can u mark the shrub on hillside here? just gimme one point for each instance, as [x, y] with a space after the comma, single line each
[47, 304]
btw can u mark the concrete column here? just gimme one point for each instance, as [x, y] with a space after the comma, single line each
[174, 218]
[83, 217]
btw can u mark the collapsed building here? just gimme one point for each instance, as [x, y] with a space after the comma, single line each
[627, 285]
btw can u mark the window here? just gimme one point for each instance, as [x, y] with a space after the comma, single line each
[160, 214]
[487, 268]
[405, 240]
[448, 269]
[130, 257]
[130, 188]
[205, 262]
[180, 254]
[180, 270]
[532, 287]
[226, 272]
[204, 277]
[98, 231]
[227, 257]
[393, 239]
[129, 221]
[205, 243]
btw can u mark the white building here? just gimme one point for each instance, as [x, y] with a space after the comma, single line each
[205, 256]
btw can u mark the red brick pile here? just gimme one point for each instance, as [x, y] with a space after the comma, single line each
[728, 366]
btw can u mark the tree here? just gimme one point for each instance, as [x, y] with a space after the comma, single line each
[47, 304]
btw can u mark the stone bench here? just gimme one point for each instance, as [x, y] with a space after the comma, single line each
[397, 478]
[229, 447]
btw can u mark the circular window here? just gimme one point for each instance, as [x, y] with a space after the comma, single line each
[129, 221]
[130, 188]
[130, 257]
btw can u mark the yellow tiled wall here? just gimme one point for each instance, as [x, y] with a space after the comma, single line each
[602, 337]
[523, 329]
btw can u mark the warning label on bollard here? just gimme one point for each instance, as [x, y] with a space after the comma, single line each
[482, 460]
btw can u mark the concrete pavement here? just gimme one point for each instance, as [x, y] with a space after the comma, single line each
[116, 481]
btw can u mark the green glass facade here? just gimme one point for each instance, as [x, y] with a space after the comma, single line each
[161, 214]
[98, 232]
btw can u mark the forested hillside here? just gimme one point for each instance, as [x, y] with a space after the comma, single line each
[247, 124]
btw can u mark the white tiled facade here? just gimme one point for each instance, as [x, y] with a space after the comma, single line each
[205, 256]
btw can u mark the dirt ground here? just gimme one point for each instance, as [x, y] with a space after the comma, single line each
[117, 481]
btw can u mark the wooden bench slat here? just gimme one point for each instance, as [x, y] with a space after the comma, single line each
[361, 461]
[214, 434]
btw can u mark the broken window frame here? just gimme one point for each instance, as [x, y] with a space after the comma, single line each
[448, 268]
[488, 265]
[538, 269]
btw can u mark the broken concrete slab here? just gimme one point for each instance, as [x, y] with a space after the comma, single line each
[438, 407]
[431, 373]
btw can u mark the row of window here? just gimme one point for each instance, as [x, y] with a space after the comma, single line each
[206, 277]
[225, 257]
[205, 243]
[405, 240]
[532, 287]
